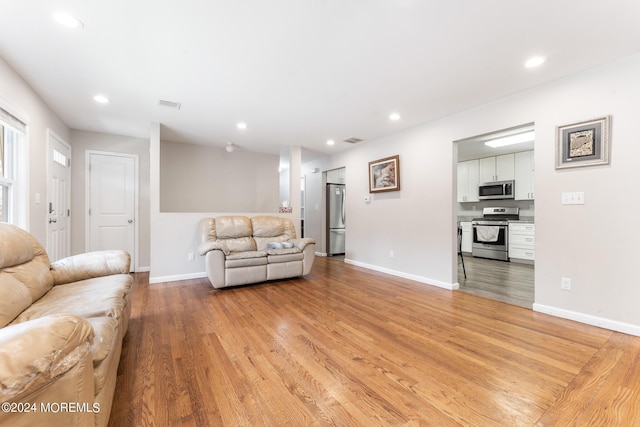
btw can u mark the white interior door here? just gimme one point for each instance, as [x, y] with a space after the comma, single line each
[112, 208]
[58, 197]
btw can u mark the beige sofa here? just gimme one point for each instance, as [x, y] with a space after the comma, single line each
[61, 331]
[240, 250]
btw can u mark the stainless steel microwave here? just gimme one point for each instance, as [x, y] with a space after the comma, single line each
[496, 190]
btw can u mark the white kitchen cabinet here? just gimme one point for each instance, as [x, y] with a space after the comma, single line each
[497, 168]
[524, 174]
[468, 181]
[521, 241]
[467, 236]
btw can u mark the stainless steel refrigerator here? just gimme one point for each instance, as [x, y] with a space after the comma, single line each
[336, 218]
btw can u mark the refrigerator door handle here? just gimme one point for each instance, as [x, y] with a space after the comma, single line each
[344, 196]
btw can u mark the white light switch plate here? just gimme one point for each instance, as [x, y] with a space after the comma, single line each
[574, 198]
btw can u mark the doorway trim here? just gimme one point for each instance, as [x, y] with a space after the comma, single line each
[87, 199]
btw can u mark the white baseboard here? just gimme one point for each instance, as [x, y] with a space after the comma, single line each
[176, 278]
[321, 254]
[143, 269]
[588, 319]
[425, 280]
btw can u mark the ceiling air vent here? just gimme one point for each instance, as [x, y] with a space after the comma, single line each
[169, 104]
[353, 140]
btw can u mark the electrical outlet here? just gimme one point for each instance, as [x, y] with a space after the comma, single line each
[565, 283]
[190, 256]
[391, 254]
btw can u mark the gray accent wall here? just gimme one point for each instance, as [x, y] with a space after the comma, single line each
[198, 178]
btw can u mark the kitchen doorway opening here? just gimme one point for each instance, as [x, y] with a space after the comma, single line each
[495, 214]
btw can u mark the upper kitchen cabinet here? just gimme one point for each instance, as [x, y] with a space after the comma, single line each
[468, 181]
[498, 168]
[524, 175]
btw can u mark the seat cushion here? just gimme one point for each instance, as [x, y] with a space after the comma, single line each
[97, 297]
[284, 251]
[273, 259]
[245, 259]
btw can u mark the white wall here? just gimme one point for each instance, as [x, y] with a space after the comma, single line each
[81, 141]
[21, 98]
[593, 244]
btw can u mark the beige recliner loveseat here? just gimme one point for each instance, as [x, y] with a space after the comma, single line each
[61, 331]
[240, 250]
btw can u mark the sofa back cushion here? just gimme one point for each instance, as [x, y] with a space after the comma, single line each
[235, 232]
[270, 229]
[24, 271]
[14, 298]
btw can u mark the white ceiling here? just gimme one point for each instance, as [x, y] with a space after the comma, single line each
[299, 72]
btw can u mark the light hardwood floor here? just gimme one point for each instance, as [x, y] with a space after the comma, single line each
[509, 282]
[349, 347]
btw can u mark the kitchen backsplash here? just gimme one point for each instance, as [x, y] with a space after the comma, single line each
[468, 211]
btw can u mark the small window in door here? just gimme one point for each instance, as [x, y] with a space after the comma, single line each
[59, 158]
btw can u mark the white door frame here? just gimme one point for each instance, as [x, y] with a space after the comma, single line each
[87, 200]
[51, 135]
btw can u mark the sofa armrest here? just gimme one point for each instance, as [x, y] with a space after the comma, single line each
[34, 353]
[211, 245]
[302, 243]
[89, 265]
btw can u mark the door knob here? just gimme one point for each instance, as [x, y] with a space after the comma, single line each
[52, 220]
[130, 221]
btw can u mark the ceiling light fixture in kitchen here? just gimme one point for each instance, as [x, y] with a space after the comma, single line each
[535, 61]
[394, 117]
[331, 142]
[101, 99]
[67, 20]
[241, 125]
[511, 139]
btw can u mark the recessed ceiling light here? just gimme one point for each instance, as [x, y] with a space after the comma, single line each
[67, 20]
[169, 104]
[331, 142]
[101, 99]
[535, 61]
[241, 125]
[394, 116]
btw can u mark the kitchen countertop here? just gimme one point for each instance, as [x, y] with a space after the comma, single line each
[522, 220]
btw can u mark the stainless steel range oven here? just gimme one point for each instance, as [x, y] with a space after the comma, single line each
[491, 233]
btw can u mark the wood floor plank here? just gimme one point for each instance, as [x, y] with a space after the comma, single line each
[346, 346]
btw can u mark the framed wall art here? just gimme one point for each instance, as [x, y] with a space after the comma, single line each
[585, 143]
[384, 174]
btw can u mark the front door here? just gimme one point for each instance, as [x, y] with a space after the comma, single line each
[58, 197]
[112, 193]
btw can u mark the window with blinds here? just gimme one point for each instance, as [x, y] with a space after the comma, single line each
[12, 133]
